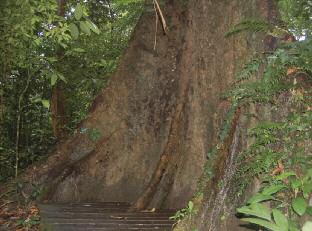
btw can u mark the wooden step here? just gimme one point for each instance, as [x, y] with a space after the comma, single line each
[106, 216]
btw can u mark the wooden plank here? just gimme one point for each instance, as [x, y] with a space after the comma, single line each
[106, 216]
[60, 228]
[125, 221]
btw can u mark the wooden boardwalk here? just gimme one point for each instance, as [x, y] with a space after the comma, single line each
[106, 216]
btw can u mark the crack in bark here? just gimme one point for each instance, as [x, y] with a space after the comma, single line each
[162, 165]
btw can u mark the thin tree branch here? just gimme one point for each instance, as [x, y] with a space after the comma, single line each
[156, 25]
[162, 18]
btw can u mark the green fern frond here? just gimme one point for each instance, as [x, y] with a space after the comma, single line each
[250, 25]
[248, 70]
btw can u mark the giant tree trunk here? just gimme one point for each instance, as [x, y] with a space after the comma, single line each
[148, 133]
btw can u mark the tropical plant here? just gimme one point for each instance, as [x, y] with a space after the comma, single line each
[91, 35]
[187, 212]
[278, 154]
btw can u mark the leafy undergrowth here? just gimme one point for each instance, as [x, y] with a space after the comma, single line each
[279, 155]
[19, 218]
[18, 210]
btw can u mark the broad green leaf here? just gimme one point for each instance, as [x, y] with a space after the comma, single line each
[263, 223]
[54, 78]
[299, 205]
[35, 99]
[85, 28]
[62, 77]
[78, 12]
[259, 197]
[37, 41]
[295, 184]
[272, 189]
[79, 50]
[293, 226]
[280, 219]
[306, 189]
[45, 103]
[74, 30]
[309, 210]
[93, 27]
[64, 45]
[257, 210]
[307, 226]
[309, 172]
[52, 59]
[285, 175]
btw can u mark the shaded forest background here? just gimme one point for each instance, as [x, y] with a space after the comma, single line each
[32, 34]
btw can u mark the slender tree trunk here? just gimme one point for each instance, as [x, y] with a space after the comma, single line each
[18, 122]
[2, 107]
[58, 99]
[3, 81]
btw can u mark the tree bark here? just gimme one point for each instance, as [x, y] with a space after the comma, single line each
[160, 113]
[58, 110]
[58, 99]
[2, 109]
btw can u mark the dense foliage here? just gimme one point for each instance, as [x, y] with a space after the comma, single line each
[90, 37]
[297, 15]
[280, 153]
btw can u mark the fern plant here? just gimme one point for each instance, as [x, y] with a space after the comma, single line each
[279, 153]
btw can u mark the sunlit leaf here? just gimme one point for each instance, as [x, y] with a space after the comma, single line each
[74, 30]
[45, 103]
[293, 226]
[62, 77]
[263, 223]
[309, 173]
[54, 78]
[78, 12]
[259, 197]
[306, 189]
[79, 50]
[273, 189]
[93, 27]
[285, 175]
[84, 27]
[280, 219]
[257, 210]
[295, 183]
[299, 205]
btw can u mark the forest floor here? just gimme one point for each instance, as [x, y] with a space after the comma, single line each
[17, 217]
